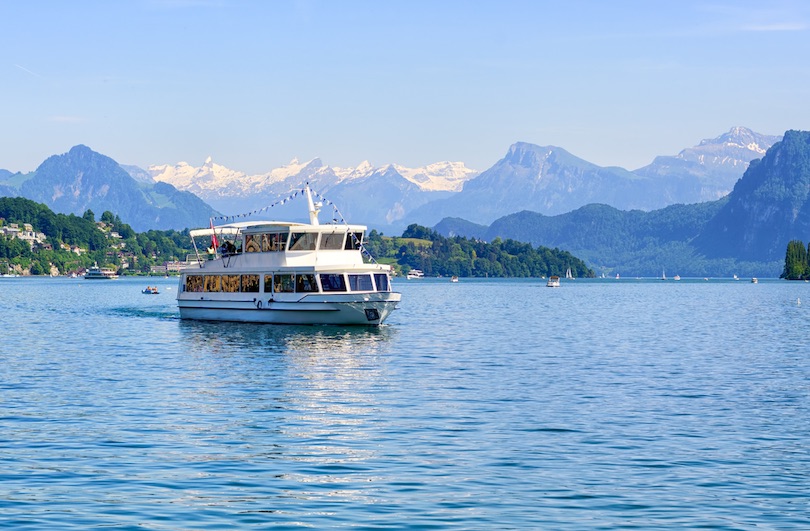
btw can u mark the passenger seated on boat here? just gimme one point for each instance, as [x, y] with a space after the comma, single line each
[227, 248]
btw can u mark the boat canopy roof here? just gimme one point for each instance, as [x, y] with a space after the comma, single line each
[272, 226]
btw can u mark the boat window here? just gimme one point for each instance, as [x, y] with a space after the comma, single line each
[353, 241]
[276, 241]
[194, 283]
[382, 282]
[303, 241]
[305, 283]
[333, 282]
[212, 282]
[252, 243]
[283, 283]
[268, 283]
[250, 283]
[332, 241]
[230, 283]
[360, 283]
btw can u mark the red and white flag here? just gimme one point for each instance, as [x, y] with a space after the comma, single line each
[214, 242]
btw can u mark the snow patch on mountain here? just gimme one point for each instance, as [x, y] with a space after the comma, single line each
[440, 176]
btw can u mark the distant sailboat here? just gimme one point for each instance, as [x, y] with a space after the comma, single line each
[568, 274]
[663, 275]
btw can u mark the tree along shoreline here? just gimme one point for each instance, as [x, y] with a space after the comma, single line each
[797, 261]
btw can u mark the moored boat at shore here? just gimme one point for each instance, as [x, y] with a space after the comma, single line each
[286, 273]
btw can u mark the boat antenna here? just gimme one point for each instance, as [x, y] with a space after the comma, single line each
[314, 208]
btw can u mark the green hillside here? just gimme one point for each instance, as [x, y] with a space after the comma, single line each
[427, 250]
[73, 243]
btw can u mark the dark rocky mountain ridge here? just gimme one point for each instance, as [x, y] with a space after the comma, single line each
[82, 179]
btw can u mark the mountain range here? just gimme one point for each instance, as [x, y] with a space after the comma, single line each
[544, 179]
[380, 196]
[82, 180]
[746, 232]
[550, 180]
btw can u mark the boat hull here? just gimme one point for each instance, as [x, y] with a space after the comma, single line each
[370, 310]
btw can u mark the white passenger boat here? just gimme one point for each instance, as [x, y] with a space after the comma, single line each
[100, 273]
[286, 273]
[553, 282]
[414, 274]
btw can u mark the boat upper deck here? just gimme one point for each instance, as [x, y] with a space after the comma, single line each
[277, 244]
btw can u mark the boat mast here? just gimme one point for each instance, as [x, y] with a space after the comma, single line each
[314, 208]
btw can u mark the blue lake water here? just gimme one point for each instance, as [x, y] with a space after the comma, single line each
[480, 405]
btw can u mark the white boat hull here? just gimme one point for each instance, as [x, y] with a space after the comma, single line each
[371, 309]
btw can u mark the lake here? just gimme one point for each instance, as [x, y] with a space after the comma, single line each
[482, 404]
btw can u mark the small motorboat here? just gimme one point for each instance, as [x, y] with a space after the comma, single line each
[150, 290]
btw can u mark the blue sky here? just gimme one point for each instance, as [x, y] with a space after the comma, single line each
[254, 84]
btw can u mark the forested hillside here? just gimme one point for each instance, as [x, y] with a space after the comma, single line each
[73, 243]
[427, 250]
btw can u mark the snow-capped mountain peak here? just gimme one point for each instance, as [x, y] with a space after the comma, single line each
[364, 167]
[740, 138]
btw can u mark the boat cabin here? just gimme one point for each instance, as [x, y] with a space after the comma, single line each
[276, 237]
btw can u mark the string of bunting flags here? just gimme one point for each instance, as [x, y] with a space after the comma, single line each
[336, 218]
[262, 210]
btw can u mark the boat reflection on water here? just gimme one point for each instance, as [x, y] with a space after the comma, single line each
[249, 338]
[307, 377]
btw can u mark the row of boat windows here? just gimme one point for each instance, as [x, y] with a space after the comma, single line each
[301, 241]
[287, 283]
